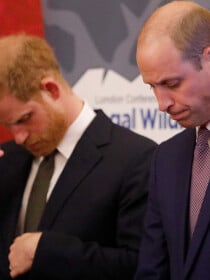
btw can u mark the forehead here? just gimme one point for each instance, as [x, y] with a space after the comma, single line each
[12, 108]
[157, 50]
[158, 59]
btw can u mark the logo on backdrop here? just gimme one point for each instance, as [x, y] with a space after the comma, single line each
[95, 43]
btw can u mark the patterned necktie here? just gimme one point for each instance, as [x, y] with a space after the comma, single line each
[37, 199]
[200, 175]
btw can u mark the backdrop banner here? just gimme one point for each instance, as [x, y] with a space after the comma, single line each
[95, 42]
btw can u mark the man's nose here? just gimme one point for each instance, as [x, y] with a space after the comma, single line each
[20, 134]
[164, 99]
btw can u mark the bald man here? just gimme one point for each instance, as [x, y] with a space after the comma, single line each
[173, 56]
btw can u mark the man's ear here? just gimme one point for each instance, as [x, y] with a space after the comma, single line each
[49, 85]
[206, 53]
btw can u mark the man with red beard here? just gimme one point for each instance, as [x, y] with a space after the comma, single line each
[90, 227]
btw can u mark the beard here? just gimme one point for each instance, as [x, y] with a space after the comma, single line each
[46, 141]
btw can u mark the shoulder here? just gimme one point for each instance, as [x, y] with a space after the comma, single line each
[176, 148]
[185, 136]
[121, 135]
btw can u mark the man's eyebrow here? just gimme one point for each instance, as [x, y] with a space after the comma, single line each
[166, 80]
[17, 120]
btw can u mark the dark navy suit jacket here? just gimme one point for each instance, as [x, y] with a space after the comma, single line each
[93, 220]
[166, 251]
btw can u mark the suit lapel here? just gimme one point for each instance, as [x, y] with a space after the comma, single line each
[182, 213]
[85, 157]
[183, 174]
[200, 231]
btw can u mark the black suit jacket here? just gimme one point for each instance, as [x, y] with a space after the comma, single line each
[93, 220]
[166, 252]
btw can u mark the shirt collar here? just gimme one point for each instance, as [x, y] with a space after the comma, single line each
[197, 128]
[75, 130]
[208, 126]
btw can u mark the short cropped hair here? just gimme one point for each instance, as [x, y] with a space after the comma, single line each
[188, 28]
[192, 34]
[25, 61]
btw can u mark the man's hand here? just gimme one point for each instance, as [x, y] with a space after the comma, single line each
[22, 253]
[1, 152]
